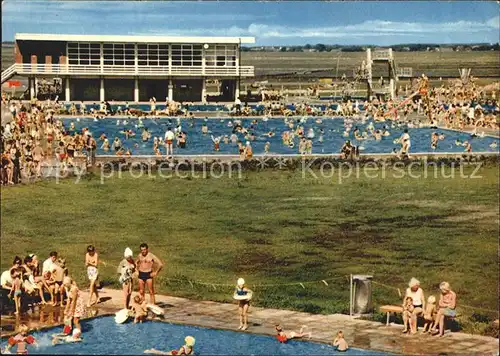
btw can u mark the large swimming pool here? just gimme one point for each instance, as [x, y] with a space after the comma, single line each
[102, 336]
[332, 128]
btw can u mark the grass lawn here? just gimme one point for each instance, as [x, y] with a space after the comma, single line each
[272, 228]
[483, 63]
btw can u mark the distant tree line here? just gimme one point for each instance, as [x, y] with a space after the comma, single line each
[320, 47]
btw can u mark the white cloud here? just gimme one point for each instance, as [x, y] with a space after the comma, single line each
[174, 18]
[494, 22]
[367, 29]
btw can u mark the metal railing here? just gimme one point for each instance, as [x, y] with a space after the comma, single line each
[126, 70]
[381, 55]
[8, 73]
[405, 72]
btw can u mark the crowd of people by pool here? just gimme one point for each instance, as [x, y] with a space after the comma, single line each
[50, 282]
[34, 280]
[38, 132]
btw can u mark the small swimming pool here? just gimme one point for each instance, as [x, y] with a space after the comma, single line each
[332, 128]
[103, 336]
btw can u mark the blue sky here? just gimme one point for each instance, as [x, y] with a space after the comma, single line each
[271, 22]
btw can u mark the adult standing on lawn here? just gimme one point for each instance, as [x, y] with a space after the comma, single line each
[447, 304]
[417, 295]
[145, 263]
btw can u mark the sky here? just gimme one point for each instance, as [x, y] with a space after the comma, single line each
[270, 22]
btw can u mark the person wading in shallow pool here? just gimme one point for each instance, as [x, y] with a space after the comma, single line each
[145, 262]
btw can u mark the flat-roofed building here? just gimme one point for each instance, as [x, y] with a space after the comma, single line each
[131, 68]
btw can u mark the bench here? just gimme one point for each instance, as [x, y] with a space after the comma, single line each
[390, 309]
[399, 309]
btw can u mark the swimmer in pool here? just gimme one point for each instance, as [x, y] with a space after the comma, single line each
[117, 144]
[21, 340]
[105, 145]
[434, 140]
[468, 146]
[309, 145]
[204, 129]
[216, 141]
[340, 342]
[76, 336]
[321, 133]
[146, 135]
[241, 150]
[267, 147]
[187, 349]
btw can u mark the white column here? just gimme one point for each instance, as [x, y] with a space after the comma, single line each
[170, 59]
[203, 60]
[66, 91]
[102, 57]
[203, 90]
[136, 63]
[237, 90]
[392, 88]
[136, 90]
[101, 91]
[170, 90]
[237, 62]
[32, 87]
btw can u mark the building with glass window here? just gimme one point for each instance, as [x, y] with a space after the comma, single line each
[132, 68]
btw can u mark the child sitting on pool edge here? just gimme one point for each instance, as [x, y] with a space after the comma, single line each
[186, 349]
[283, 337]
[140, 308]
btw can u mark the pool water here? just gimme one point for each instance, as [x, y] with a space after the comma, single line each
[333, 139]
[103, 336]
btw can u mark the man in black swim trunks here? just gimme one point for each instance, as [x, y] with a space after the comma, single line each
[145, 262]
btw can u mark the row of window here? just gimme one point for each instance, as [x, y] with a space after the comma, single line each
[151, 54]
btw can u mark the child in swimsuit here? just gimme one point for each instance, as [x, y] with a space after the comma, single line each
[282, 337]
[248, 151]
[15, 291]
[49, 283]
[340, 342]
[241, 150]
[74, 337]
[21, 340]
[140, 308]
[429, 314]
[91, 261]
[216, 141]
[407, 312]
[267, 147]
[186, 349]
[243, 304]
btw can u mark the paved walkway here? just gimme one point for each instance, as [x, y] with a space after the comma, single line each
[359, 333]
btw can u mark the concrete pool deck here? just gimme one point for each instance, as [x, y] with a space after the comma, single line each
[369, 335]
